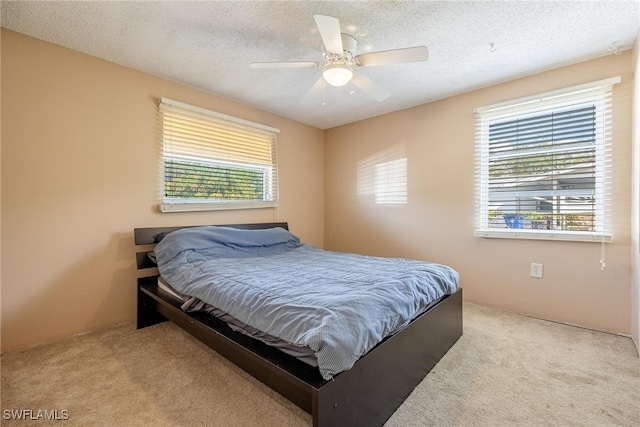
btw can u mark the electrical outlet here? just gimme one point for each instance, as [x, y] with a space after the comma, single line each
[536, 270]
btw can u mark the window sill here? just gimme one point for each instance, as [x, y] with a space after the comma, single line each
[213, 206]
[571, 236]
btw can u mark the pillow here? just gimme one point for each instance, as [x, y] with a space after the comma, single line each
[157, 238]
[209, 242]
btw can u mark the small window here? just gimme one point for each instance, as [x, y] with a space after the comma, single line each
[543, 165]
[213, 161]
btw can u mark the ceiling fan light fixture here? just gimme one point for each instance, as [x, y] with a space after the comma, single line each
[337, 75]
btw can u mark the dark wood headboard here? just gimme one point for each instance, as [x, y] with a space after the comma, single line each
[145, 237]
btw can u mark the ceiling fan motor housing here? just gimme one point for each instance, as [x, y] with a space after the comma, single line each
[349, 46]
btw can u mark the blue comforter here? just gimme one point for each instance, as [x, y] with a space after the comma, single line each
[340, 305]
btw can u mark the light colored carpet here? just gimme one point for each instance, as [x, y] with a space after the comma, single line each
[506, 370]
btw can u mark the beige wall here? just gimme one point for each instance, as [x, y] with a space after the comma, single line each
[635, 213]
[80, 170]
[0, 190]
[437, 223]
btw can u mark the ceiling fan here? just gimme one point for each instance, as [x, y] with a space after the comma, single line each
[341, 61]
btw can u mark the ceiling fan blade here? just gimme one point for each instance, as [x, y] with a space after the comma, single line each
[370, 87]
[314, 92]
[329, 28]
[395, 56]
[290, 64]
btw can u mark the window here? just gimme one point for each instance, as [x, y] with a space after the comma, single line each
[213, 161]
[543, 165]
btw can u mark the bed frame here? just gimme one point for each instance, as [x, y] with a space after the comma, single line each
[365, 395]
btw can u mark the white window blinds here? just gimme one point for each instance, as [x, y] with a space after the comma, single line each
[214, 161]
[543, 165]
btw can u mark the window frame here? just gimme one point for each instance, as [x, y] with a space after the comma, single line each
[170, 109]
[598, 93]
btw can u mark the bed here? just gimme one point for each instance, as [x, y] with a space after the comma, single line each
[366, 393]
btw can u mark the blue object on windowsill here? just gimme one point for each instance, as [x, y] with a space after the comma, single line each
[514, 221]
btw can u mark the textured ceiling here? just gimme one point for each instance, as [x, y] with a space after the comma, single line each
[210, 44]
